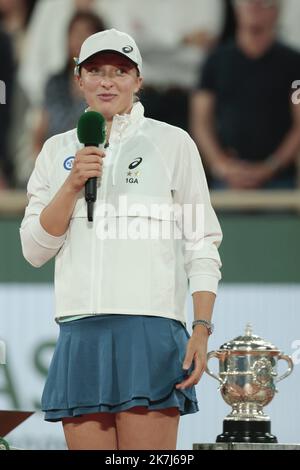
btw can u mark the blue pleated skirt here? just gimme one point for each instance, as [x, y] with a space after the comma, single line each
[112, 362]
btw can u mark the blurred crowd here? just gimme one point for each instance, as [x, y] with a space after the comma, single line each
[223, 70]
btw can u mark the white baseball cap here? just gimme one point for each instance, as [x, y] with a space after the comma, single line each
[110, 40]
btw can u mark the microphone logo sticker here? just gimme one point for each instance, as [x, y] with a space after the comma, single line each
[68, 163]
[132, 176]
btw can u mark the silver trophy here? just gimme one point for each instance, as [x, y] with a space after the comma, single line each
[248, 377]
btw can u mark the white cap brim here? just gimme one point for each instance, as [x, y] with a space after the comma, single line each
[111, 40]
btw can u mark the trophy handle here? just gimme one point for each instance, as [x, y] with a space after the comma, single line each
[289, 360]
[208, 371]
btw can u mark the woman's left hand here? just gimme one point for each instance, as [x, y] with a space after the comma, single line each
[196, 351]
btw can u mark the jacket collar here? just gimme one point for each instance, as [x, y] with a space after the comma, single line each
[122, 122]
[125, 124]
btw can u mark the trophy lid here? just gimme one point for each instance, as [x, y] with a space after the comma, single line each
[248, 342]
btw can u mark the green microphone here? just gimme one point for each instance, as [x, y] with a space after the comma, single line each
[91, 132]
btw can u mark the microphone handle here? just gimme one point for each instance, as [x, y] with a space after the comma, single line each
[91, 184]
[90, 196]
[91, 189]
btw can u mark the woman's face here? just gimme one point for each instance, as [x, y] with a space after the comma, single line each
[109, 82]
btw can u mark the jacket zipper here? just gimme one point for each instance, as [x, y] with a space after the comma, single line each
[99, 253]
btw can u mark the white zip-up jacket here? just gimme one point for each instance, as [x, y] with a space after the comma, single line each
[119, 263]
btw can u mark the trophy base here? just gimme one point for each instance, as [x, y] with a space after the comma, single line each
[247, 431]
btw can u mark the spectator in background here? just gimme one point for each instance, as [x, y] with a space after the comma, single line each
[243, 118]
[63, 103]
[6, 77]
[174, 37]
[46, 34]
[14, 18]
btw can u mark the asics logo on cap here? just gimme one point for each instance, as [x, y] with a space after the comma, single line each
[127, 49]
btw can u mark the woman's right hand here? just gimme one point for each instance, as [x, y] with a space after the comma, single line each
[87, 164]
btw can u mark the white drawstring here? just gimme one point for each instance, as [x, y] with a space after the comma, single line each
[115, 165]
[122, 124]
